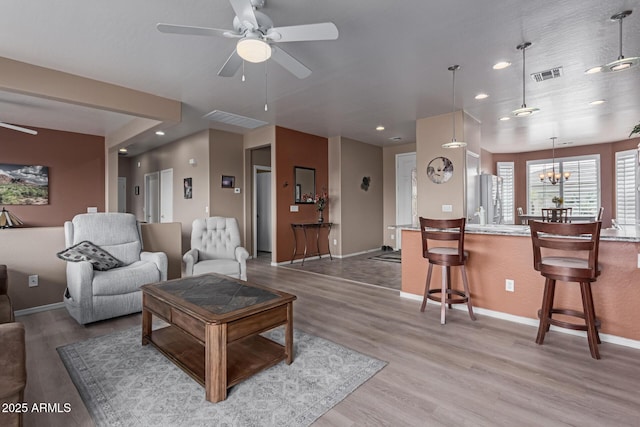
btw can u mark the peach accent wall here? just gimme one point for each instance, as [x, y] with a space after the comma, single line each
[76, 172]
[495, 258]
[295, 148]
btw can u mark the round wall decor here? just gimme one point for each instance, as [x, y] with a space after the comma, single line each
[440, 170]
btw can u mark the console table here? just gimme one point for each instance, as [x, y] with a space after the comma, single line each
[317, 226]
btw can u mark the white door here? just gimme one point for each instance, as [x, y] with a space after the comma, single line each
[262, 199]
[122, 194]
[166, 195]
[152, 197]
[406, 192]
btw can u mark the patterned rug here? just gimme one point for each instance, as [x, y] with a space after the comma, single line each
[123, 383]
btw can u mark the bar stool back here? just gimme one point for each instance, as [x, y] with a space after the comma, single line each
[556, 255]
[445, 256]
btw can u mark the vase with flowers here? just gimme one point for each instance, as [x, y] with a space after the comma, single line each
[558, 201]
[320, 200]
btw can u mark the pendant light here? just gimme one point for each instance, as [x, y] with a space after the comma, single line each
[621, 63]
[524, 111]
[454, 143]
[554, 177]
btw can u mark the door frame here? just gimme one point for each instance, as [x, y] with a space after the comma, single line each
[254, 214]
[147, 194]
[399, 156]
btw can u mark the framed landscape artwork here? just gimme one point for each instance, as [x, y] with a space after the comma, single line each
[24, 184]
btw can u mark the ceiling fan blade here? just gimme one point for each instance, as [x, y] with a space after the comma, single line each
[192, 31]
[231, 66]
[244, 12]
[299, 33]
[291, 64]
[18, 128]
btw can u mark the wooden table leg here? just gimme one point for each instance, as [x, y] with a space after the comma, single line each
[146, 326]
[215, 371]
[288, 334]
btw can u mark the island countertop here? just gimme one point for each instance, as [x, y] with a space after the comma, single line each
[501, 252]
[628, 233]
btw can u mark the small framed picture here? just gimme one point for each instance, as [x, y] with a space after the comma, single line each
[228, 181]
[188, 188]
[136, 190]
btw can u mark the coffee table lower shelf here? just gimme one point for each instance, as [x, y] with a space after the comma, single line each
[245, 357]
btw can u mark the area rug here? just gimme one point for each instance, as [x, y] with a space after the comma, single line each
[394, 256]
[123, 383]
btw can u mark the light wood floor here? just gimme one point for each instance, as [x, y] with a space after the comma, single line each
[484, 373]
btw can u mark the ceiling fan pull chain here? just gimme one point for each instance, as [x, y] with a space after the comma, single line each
[266, 108]
[243, 79]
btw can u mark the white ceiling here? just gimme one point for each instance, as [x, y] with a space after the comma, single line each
[389, 66]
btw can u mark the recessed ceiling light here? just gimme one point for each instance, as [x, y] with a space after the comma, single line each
[598, 102]
[505, 118]
[379, 128]
[123, 150]
[482, 96]
[159, 133]
[501, 65]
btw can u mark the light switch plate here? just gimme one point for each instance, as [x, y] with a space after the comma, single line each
[92, 209]
[293, 208]
[447, 208]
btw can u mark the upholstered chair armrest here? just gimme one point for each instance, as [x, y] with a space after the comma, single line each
[159, 259]
[13, 367]
[241, 255]
[190, 258]
[3, 280]
[79, 284]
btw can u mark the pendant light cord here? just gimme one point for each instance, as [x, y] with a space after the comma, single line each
[453, 104]
[524, 75]
[620, 56]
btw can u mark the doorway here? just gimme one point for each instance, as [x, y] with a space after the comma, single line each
[262, 209]
[122, 194]
[152, 197]
[166, 195]
[406, 193]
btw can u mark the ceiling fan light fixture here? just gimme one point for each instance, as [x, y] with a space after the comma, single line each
[524, 111]
[253, 50]
[594, 70]
[454, 144]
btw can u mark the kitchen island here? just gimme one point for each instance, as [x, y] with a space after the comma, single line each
[500, 252]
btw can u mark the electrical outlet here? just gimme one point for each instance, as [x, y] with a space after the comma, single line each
[393, 237]
[509, 285]
[33, 280]
[335, 242]
[293, 208]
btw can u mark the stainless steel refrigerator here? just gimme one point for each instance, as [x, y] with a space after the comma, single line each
[491, 197]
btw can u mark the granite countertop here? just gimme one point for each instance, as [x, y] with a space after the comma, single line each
[628, 233]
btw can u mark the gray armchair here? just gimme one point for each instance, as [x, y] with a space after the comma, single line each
[93, 295]
[216, 248]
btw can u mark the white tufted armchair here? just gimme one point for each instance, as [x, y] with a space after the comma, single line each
[215, 248]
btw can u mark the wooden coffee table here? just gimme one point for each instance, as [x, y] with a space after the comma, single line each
[214, 328]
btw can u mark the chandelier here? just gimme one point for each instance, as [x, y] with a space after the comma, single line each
[552, 176]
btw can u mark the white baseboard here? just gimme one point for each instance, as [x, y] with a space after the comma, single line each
[613, 339]
[38, 309]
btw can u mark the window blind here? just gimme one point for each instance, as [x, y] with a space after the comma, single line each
[506, 172]
[626, 185]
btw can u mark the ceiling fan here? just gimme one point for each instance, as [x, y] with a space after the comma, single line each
[258, 37]
[18, 128]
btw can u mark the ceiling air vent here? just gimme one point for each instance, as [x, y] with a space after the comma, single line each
[541, 76]
[234, 119]
[396, 138]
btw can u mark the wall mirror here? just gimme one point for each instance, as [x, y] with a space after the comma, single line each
[305, 179]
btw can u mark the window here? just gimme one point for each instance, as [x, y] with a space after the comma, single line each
[626, 184]
[580, 192]
[506, 171]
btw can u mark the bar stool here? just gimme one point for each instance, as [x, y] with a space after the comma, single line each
[570, 239]
[447, 256]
